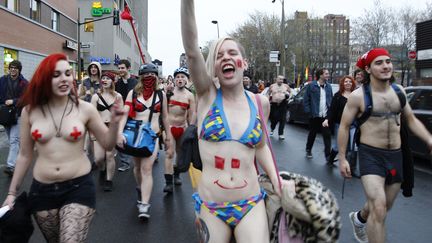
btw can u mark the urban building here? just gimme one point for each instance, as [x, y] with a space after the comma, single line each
[423, 62]
[32, 29]
[107, 43]
[319, 42]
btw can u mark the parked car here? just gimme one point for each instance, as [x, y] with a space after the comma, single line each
[296, 111]
[420, 100]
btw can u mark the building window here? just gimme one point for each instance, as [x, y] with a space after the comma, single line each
[35, 10]
[88, 27]
[12, 5]
[55, 20]
[8, 56]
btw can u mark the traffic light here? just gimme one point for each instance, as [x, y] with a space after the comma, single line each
[116, 17]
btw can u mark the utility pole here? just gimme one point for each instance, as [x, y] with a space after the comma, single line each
[79, 47]
[283, 56]
[79, 23]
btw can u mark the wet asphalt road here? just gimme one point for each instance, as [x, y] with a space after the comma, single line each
[172, 217]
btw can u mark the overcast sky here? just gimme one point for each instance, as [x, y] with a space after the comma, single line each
[164, 37]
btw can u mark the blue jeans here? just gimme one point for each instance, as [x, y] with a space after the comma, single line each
[351, 138]
[13, 133]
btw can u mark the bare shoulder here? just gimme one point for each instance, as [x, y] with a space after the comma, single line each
[85, 106]
[356, 98]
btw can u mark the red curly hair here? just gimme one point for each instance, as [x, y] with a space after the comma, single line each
[39, 90]
[342, 81]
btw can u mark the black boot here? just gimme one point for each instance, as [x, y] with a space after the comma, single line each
[331, 157]
[177, 179]
[169, 188]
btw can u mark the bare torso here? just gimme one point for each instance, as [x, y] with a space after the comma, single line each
[178, 114]
[382, 131]
[60, 158]
[227, 183]
[279, 92]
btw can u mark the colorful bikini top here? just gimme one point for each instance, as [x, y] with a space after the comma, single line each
[183, 105]
[214, 129]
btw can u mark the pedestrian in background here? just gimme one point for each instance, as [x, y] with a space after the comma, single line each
[278, 93]
[359, 77]
[143, 102]
[248, 84]
[91, 85]
[12, 87]
[346, 85]
[316, 102]
[124, 83]
[181, 114]
[62, 195]
[103, 102]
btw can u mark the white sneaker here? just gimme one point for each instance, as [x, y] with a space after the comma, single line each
[281, 137]
[143, 210]
[271, 133]
[359, 231]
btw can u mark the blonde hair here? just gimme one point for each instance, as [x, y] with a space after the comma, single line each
[212, 56]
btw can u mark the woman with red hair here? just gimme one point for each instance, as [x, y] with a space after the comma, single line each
[54, 121]
[346, 85]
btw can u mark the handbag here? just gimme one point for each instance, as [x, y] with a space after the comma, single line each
[8, 115]
[140, 137]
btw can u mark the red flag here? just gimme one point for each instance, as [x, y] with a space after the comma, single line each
[126, 13]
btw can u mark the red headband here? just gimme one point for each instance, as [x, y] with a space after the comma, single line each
[109, 75]
[367, 58]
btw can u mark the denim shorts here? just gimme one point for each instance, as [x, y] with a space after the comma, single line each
[382, 162]
[79, 190]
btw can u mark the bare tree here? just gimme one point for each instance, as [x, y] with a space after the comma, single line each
[403, 38]
[372, 29]
[259, 35]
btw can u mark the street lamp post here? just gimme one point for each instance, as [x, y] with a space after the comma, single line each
[282, 31]
[217, 24]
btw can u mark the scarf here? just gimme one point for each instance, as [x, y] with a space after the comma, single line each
[148, 84]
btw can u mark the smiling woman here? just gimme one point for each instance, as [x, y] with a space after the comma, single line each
[61, 169]
[230, 138]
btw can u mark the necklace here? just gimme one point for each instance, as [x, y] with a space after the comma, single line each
[61, 120]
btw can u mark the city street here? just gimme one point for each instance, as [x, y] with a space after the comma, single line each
[172, 217]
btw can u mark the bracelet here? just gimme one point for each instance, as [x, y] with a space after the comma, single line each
[12, 194]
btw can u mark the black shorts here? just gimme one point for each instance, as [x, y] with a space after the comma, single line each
[382, 162]
[79, 190]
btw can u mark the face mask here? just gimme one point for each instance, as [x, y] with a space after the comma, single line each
[148, 84]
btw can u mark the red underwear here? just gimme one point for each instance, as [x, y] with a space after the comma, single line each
[177, 131]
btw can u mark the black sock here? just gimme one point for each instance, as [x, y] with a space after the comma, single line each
[359, 217]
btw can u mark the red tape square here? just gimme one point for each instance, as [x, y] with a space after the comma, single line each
[219, 162]
[235, 163]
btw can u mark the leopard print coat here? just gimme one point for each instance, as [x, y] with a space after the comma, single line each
[317, 201]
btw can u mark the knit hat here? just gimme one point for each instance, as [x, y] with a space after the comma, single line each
[367, 58]
[109, 74]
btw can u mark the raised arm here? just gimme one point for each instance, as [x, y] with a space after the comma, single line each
[195, 59]
[191, 114]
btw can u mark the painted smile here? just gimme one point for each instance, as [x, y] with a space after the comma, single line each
[231, 188]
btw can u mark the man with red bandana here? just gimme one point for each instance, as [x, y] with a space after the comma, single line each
[143, 102]
[380, 155]
[181, 113]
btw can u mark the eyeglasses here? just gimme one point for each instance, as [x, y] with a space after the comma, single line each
[10, 68]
